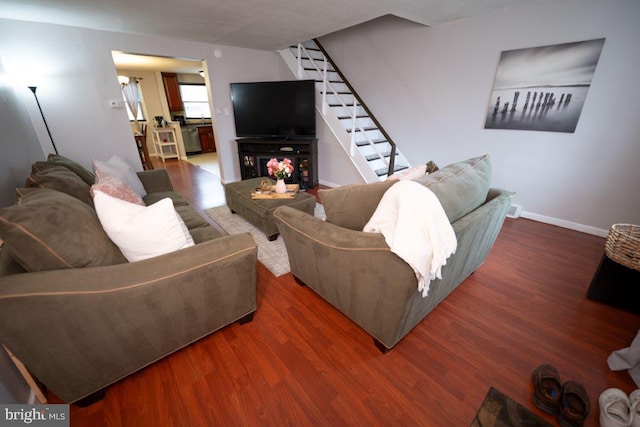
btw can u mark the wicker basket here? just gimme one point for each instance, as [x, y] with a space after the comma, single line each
[623, 245]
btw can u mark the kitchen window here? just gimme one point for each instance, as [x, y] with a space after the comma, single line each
[195, 101]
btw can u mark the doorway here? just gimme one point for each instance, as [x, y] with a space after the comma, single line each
[174, 92]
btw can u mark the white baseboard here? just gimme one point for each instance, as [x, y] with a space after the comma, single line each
[565, 224]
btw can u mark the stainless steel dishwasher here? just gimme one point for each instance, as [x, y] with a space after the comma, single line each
[191, 140]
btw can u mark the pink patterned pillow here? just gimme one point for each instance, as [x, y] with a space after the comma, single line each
[115, 187]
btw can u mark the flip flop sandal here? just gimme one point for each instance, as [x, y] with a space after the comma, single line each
[547, 388]
[574, 405]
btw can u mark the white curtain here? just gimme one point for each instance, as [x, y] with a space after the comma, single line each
[130, 92]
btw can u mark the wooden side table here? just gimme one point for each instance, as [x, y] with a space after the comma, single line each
[616, 285]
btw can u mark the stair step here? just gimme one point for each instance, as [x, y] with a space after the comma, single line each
[329, 70]
[397, 168]
[345, 105]
[375, 156]
[375, 141]
[359, 116]
[367, 129]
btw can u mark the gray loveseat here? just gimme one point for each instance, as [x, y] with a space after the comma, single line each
[78, 315]
[358, 274]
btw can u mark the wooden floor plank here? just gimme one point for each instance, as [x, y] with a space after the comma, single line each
[301, 362]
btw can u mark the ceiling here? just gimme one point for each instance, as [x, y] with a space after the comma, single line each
[135, 62]
[257, 24]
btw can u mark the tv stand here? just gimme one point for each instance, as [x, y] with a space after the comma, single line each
[254, 153]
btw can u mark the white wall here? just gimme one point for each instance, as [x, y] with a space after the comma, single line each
[20, 148]
[430, 88]
[76, 78]
[18, 141]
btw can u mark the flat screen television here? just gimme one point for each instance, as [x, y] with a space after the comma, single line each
[278, 109]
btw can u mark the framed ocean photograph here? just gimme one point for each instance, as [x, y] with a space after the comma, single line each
[543, 88]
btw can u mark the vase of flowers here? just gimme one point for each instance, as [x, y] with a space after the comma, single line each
[280, 170]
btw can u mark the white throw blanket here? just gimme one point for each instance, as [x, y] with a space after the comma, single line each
[416, 228]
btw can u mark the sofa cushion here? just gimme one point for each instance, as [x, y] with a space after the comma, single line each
[61, 179]
[190, 217]
[121, 169]
[51, 230]
[8, 264]
[460, 187]
[75, 167]
[115, 187]
[204, 233]
[351, 206]
[142, 232]
[175, 197]
[23, 191]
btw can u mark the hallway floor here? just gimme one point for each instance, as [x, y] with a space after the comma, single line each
[206, 161]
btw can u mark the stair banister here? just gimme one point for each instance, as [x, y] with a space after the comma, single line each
[364, 106]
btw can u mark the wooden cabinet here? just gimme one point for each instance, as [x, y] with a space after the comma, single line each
[172, 90]
[207, 140]
[254, 153]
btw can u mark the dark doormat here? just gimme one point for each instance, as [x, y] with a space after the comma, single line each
[498, 410]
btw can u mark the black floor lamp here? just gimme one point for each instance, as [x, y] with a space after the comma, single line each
[33, 89]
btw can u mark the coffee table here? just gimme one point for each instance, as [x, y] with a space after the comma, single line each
[259, 212]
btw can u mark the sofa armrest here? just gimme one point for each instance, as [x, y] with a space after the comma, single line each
[309, 238]
[353, 270]
[155, 180]
[79, 330]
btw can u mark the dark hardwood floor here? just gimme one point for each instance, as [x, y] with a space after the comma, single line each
[301, 362]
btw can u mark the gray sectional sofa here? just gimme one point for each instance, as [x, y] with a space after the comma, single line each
[78, 315]
[358, 274]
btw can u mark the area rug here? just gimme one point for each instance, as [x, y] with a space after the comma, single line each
[272, 255]
[498, 410]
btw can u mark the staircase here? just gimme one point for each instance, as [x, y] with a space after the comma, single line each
[369, 147]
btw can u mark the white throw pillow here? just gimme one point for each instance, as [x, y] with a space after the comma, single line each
[142, 232]
[121, 169]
